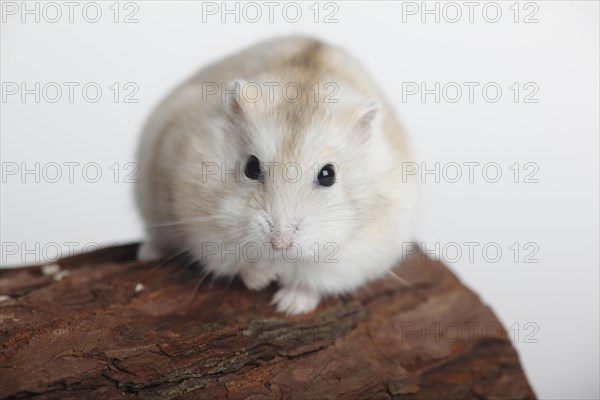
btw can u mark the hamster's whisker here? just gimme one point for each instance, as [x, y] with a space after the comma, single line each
[190, 221]
[174, 267]
[399, 278]
[236, 234]
[367, 255]
[229, 281]
[169, 224]
[362, 220]
[389, 271]
[190, 260]
[163, 263]
[205, 273]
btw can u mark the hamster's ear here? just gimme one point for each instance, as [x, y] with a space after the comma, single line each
[367, 121]
[233, 95]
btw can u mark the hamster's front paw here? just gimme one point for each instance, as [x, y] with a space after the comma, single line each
[296, 300]
[257, 278]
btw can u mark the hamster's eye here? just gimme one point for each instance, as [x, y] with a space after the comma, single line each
[326, 176]
[253, 169]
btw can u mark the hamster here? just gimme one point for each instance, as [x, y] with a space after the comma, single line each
[281, 163]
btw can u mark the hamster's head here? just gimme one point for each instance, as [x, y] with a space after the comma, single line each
[296, 174]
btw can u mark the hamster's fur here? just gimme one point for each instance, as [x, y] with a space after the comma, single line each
[314, 240]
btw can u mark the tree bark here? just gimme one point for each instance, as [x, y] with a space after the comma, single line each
[108, 326]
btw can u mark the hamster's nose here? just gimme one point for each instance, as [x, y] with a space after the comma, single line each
[281, 242]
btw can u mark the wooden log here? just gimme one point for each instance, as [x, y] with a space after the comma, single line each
[108, 326]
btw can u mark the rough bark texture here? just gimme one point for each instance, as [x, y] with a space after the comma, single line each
[91, 334]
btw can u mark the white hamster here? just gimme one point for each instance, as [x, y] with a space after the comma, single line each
[280, 163]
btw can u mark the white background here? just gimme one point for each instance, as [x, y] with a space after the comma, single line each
[558, 295]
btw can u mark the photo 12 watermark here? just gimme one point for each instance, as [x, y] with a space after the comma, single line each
[69, 172]
[471, 172]
[253, 92]
[45, 252]
[53, 12]
[252, 252]
[253, 12]
[452, 12]
[70, 92]
[288, 172]
[474, 252]
[466, 331]
[470, 92]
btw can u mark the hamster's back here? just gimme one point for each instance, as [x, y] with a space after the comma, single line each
[317, 59]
